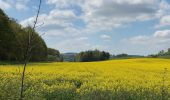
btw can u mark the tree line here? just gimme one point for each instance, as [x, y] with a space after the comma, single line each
[14, 38]
[162, 54]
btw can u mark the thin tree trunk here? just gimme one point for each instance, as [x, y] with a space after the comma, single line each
[27, 55]
[22, 82]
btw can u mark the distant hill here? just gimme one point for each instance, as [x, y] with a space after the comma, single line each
[69, 57]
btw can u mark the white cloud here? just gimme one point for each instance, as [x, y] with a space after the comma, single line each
[82, 38]
[164, 14]
[157, 38]
[147, 44]
[4, 5]
[17, 4]
[73, 44]
[64, 3]
[106, 37]
[78, 44]
[162, 34]
[62, 33]
[28, 22]
[139, 40]
[56, 23]
[60, 18]
[97, 16]
[20, 6]
[164, 21]
[108, 14]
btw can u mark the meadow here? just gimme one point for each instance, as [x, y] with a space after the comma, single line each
[128, 79]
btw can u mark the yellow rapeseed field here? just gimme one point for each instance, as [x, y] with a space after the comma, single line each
[128, 79]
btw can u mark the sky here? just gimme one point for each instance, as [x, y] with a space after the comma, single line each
[117, 26]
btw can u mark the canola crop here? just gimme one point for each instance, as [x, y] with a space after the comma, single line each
[128, 79]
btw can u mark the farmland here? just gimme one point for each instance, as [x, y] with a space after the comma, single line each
[128, 79]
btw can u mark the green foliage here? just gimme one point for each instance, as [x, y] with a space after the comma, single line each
[126, 56]
[90, 55]
[162, 54]
[7, 39]
[122, 55]
[14, 40]
[53, 52]
[54, 55]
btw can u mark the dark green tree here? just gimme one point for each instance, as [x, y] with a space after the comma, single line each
[7, 39]
[54, 55]
[14, 38]
[92, 55]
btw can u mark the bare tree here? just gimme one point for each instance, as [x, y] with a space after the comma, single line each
[29, 47]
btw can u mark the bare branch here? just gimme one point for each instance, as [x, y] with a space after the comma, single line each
[28, 51]
[40, 25]
[43, 34]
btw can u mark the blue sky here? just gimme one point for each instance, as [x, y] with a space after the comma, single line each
[116, 26]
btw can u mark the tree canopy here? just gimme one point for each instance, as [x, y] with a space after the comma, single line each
[92, 55]
[54, 55]
[14, 38]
